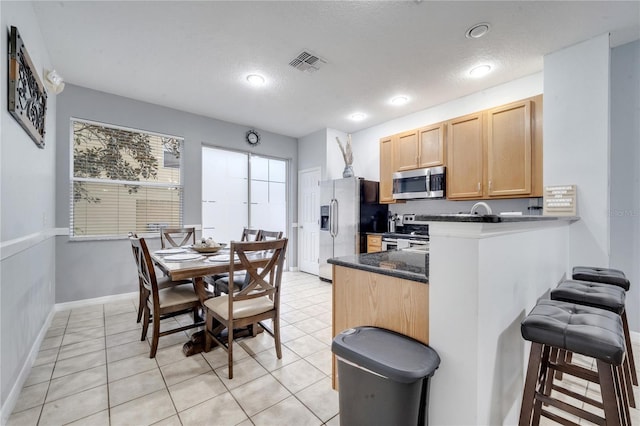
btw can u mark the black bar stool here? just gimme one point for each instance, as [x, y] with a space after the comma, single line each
[612, 277]
[553, 325]
[603, 296]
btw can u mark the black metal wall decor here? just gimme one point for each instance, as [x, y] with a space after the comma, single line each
[27, 96]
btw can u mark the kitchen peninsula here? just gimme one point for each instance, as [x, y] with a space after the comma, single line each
[481, 277]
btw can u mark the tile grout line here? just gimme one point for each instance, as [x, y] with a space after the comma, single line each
[44, 401]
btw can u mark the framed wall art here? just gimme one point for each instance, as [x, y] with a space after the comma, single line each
[27, 96]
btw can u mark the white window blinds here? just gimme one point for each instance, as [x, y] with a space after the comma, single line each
[123, 180]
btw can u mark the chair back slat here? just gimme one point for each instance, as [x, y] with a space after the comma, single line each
[146, 271]
[249, 234]
[168, 236]
[270, 235]
[263, 280]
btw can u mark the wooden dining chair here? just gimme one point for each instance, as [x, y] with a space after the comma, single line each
[142, 293]
[169, 237]
[257, 302]
[240, 280]
[170, 301]
[248, 234]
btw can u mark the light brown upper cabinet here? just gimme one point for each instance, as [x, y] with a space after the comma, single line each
[419, 148]
[387, 168]
[431, 140]
[465, 154]
[509, 150]
[406, 150]
[496, 153]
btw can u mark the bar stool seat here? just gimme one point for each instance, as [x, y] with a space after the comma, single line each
[604, 296]
[580, 329]
[613, 277]
[554, 325]
[601, 275]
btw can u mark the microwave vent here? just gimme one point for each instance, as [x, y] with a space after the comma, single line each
[307, 62]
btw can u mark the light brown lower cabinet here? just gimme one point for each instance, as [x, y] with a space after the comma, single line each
[363, 298]
[374, 243]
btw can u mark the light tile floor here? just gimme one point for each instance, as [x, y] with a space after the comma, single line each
[93, 369]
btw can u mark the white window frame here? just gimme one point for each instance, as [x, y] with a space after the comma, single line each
[179, 186]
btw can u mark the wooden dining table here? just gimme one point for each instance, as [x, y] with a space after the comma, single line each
[202, 267]
[196, 270]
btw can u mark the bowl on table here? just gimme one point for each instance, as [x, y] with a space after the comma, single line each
[206, 249]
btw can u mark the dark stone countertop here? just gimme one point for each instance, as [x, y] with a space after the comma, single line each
[489, 218]
[394, 263]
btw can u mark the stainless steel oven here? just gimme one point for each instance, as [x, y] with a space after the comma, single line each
[411, 235]
[405, 242]
[389, 244]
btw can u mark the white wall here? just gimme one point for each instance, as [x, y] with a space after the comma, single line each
[624, 211]
[335, 160]
[27, 210]
[576, 140]
[484, 279]
[320, 149]
[311, 151]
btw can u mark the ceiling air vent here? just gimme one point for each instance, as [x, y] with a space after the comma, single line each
[307, 62]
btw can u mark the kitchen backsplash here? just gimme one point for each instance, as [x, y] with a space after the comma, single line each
[445, 206]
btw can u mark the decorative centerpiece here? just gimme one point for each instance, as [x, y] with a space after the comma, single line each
[207, 245]
[347, 154]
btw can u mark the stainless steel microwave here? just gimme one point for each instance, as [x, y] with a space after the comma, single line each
[420, 183]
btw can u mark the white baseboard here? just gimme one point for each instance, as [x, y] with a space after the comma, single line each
[95, 301]
[12, 398]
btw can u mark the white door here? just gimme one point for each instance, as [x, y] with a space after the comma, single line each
[308, 219]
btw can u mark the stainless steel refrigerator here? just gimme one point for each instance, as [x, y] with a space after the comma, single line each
[349, 209]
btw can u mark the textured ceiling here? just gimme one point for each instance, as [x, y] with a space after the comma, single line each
[194, 56]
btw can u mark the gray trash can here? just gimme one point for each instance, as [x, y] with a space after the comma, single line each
[383, 377]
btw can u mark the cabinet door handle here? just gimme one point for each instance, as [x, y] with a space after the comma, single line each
[490, 186]
[479, 186]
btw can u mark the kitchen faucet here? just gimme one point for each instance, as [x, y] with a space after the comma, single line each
[481, 204]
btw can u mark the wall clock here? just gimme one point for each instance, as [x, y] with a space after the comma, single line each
[253, 137]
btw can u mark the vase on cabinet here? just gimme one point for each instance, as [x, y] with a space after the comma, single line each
[348, 171]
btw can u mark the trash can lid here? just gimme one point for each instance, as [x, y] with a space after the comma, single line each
[385, 352]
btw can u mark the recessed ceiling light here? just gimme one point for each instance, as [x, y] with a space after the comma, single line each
[478, 30]
[256, 79]
[399, 100]
[358, 116]
[480, 71]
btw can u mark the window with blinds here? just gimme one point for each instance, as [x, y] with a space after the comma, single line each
[123, 180]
